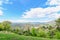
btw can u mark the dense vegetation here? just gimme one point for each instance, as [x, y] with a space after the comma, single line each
[12, 36]
[49, 31]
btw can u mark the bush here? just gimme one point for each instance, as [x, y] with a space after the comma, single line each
[41, 33]
[57, 35]
[33, 32]
[16, 30]
[1, 27]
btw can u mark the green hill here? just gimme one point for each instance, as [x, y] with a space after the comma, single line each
[12, 36]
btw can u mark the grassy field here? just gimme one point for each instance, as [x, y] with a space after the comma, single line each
[12, 36]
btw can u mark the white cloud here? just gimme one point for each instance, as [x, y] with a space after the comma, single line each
[34, 12]
[53, 2]
[5, 2]
[8, 2]
[24, 20]
[49, 12]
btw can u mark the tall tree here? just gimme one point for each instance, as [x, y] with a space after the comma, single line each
[58, 23]
[6, 24]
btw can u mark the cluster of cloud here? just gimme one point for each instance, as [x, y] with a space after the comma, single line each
[42, 12]
[52, 11]
[53, 2]
[3, 2]
[24, 20]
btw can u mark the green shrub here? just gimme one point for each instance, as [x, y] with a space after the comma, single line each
[57, 35]
[33, 32]
[1, 27]
[41, 33]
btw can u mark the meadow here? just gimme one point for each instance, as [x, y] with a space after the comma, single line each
[12, 36]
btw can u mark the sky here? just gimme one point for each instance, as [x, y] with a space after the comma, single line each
[29, 10]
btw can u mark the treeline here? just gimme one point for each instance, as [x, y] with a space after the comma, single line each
[44, 31]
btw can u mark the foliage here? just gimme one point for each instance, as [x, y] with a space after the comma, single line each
[51, 34]
[58, 22]
[13, 36]
[41, 33]
[33, 31]
[6, 25]
[1, 27]
[57, 35]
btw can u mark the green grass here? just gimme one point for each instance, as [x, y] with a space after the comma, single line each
[12, 36]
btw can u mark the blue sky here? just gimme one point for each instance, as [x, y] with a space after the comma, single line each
[29, 10]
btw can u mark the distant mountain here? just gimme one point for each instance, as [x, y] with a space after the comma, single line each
[28, 23]
[36, 24]
[52, 22]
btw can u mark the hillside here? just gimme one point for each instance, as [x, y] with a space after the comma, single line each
[12, 36]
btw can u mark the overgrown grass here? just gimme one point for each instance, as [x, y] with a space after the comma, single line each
[13, 36]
